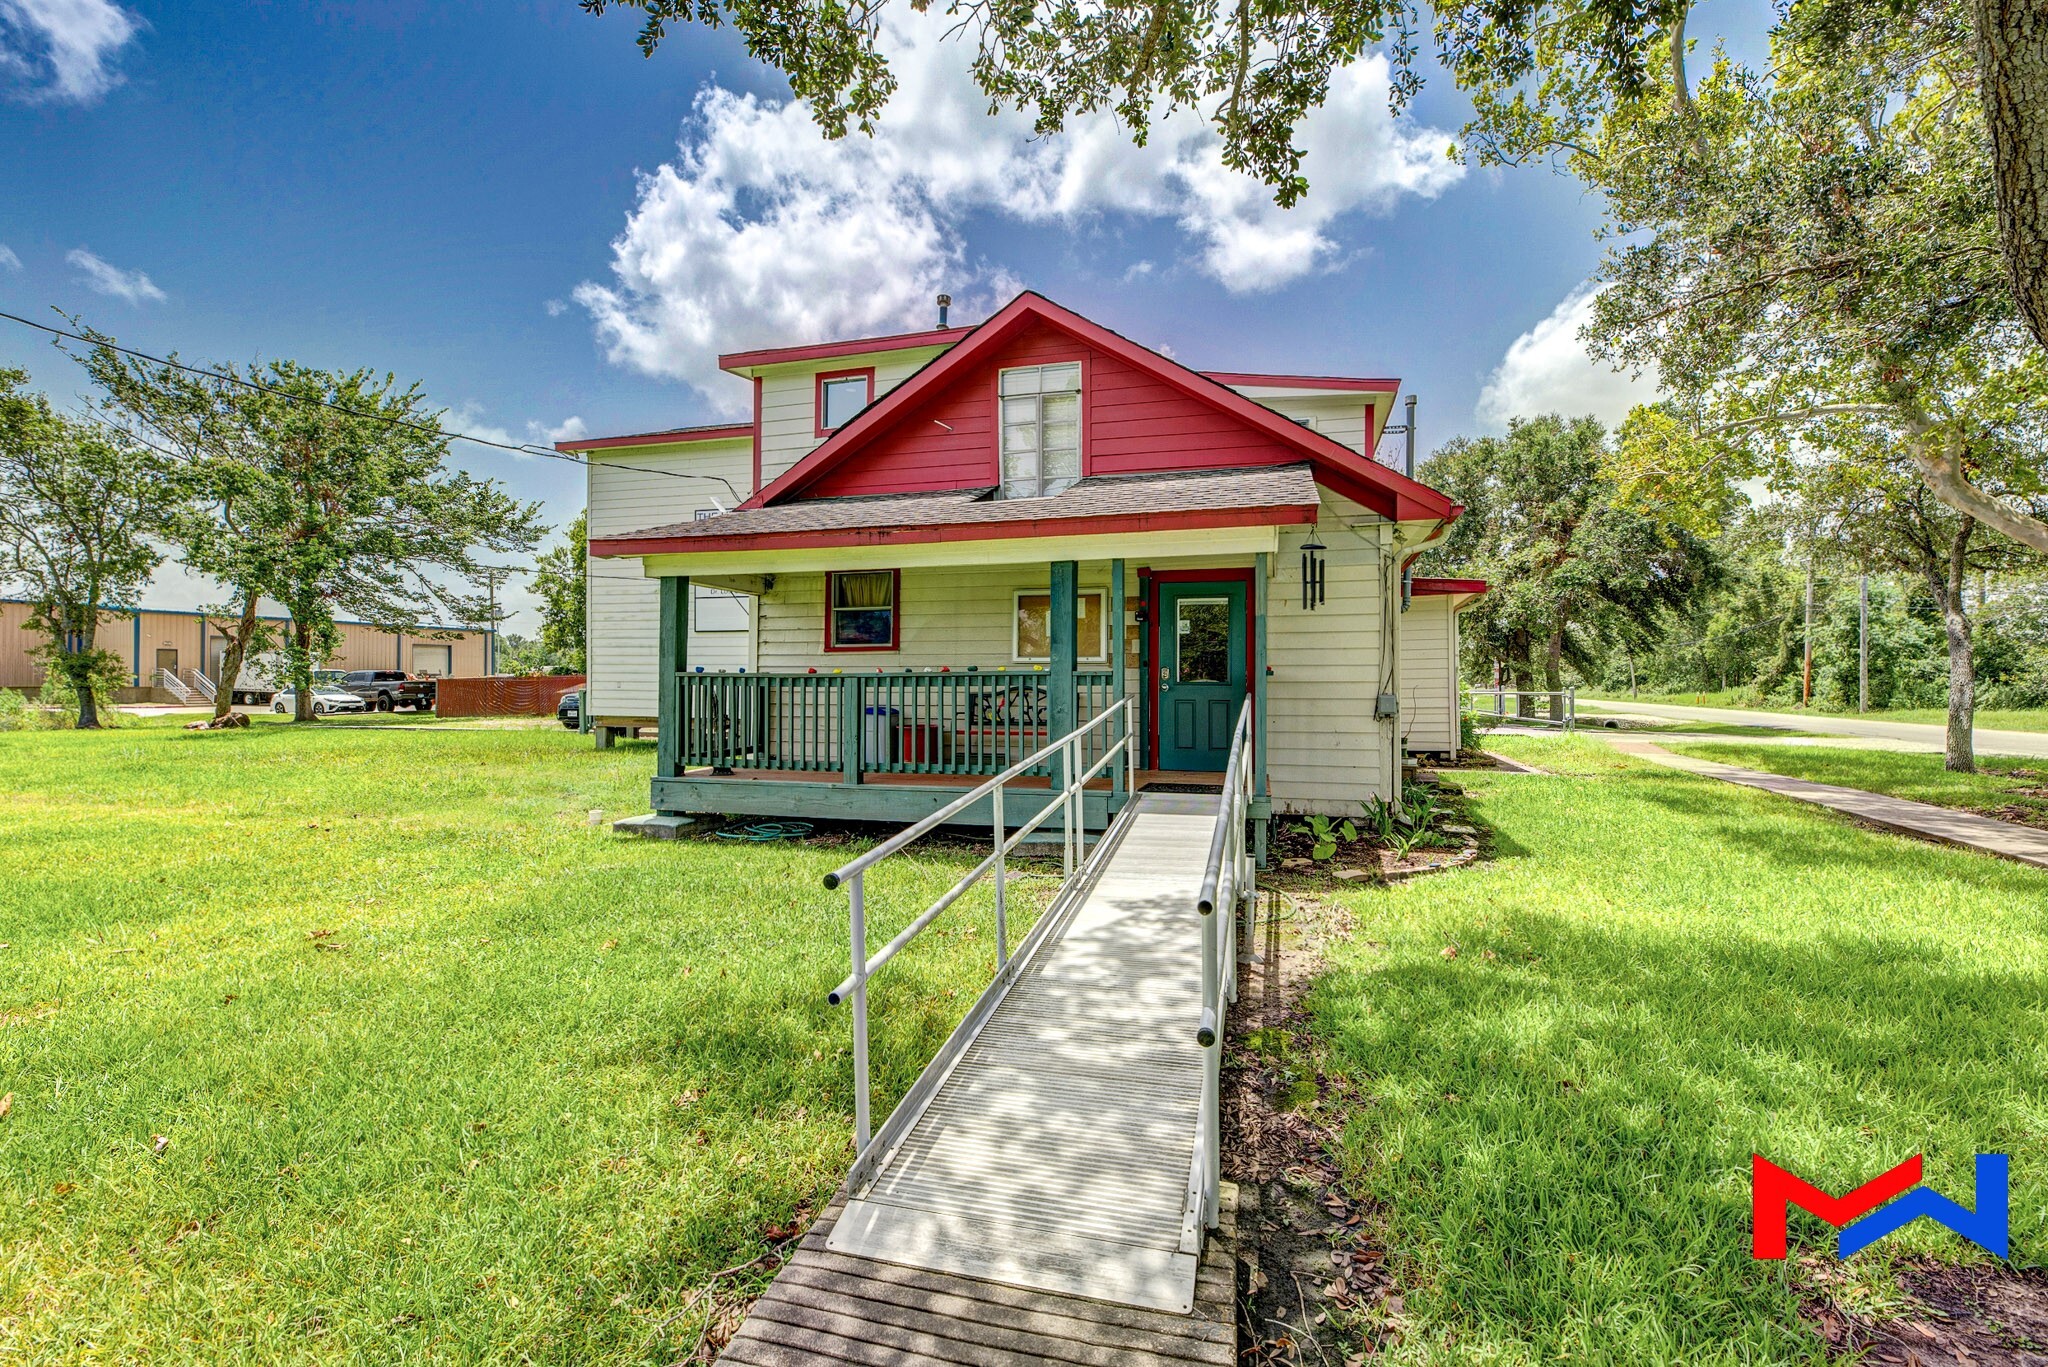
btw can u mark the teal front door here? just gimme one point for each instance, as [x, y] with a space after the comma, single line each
[1201, 672]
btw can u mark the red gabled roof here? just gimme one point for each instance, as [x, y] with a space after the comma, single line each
[675, 436]
[1425, 588]
[855, 346]
[1337, 466]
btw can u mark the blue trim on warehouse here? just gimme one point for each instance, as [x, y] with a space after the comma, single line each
[261, 617]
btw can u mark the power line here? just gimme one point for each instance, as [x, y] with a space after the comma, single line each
[527, 449]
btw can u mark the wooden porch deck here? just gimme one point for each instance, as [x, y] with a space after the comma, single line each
[1147, 778]
[1038, 1210]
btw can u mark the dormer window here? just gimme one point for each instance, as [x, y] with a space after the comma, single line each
[1041, 429]
[841, 396]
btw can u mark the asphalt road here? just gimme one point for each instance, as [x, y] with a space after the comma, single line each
[2033, 745]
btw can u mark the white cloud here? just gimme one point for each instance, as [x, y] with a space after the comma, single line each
[1547, 370]
[468, 419]
[104, 278]
[63, 50]
[8, 260]
[761, 230]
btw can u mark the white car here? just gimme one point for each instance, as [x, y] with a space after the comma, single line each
[326, 698]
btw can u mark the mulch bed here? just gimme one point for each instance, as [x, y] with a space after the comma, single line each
[1983, 1314]
[1317, 1288]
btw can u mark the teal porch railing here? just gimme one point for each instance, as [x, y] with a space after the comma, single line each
[883, 723]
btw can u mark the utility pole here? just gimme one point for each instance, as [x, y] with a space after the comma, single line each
[491, 641]
[1863, 643]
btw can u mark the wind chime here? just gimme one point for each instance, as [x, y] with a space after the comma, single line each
[1312, 571]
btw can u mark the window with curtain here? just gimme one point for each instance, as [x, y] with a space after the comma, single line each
[1041, 429]
[1031, 627]
[860, 610]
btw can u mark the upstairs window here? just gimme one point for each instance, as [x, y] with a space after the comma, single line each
[841, 396]
[1041, 429]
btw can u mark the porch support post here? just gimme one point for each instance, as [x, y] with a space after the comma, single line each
[1116, 680]
[672, 657]
[1262, 803]
[1060, 710]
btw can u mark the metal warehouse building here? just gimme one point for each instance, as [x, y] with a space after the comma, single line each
[157, 641]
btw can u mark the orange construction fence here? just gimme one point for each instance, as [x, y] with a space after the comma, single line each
[530, 695]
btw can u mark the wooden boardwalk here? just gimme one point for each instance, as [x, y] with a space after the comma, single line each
[1037, 1210]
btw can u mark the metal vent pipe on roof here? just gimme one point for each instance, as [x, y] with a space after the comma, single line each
[945, 302]
[1410, 472]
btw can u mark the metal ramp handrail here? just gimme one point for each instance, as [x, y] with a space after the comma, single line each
[871, 1146]
[174, 686]
[199, 684]
[1564, 700]
[1229, 882]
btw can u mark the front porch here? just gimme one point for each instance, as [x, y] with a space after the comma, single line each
[895, 744]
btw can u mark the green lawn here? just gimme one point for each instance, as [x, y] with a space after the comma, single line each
[1658, 975]
[2013, 789]
[2028, 719]
[440, 1068]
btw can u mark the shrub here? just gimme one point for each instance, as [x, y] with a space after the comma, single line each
[108, 674]
[16, 712]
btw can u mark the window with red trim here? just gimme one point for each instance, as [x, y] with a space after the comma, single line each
[862, 609]
[841, 396]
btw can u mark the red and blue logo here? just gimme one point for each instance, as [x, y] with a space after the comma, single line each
[1774, 1191]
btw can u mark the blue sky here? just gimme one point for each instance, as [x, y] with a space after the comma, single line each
[454, 192]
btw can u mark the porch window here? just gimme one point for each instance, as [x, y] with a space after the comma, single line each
[719, 610]
[1041, 429]
[861, 610]
[1031, 627]
[841, 396]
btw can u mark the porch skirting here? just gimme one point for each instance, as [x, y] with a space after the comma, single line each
[875, 800]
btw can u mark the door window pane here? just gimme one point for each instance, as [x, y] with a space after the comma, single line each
[1202, 627]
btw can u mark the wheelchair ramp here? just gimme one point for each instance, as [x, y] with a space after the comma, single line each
[1056, 1154]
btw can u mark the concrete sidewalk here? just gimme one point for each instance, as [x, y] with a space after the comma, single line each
[2030, 744]
[1923, 820]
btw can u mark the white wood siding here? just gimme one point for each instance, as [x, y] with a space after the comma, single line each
[1324, 750]
[958, 616]
[1429, 675]
[1338, 414]
[624, 608]
[789, 396]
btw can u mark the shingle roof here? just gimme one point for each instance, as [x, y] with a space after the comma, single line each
[1177, 491]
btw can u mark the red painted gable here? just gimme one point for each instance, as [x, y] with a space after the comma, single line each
[1131, 423]
[1140, 412]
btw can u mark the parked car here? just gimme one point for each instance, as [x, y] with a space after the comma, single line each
[570, 710]
[385, 689]
[326, 698]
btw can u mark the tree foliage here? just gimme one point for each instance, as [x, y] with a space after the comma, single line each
[78, 502]
[1571, 568]
[327, 491]
[561, 580]
[1811, 263]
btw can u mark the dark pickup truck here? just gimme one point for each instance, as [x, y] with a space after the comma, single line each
[386, 689]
